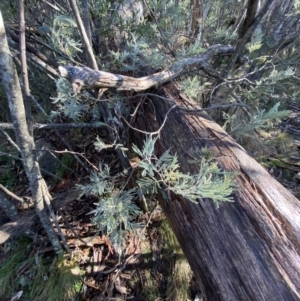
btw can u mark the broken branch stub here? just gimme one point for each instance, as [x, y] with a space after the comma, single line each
[86, 78]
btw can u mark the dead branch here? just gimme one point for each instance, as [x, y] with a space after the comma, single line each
[86, 78]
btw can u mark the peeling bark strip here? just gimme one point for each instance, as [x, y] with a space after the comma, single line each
[248, 250]
[85, 78]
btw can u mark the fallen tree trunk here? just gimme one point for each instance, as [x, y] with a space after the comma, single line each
[246, 250]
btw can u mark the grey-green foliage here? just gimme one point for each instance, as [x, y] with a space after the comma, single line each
[190, 50]
[256, 42]
[138, 55]
[67, 103]
[275, 76]
[261, 120]
[65, 36]
[148, 44]
[193, 86]
[272, 82]
[100, 145]
[224, 36]
[115, 211]
[163, 174]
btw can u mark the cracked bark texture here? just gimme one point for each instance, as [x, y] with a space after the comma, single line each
[246, 250]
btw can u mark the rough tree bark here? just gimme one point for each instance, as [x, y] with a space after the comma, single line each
[246, 250]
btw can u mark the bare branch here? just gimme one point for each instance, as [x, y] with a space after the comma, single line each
[252, 6]
[25, 81]
[11, 194]
[84, 78]
[29, 217]
[8, 207]
[32, 50]
[9, 139]
[86, 19]
[85, 40]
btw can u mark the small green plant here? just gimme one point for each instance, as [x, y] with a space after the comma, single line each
[68, 103]
[260, 120]
[115, 211]
[163, 174]
[64, 35]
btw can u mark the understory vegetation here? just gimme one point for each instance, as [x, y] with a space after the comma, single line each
[116, 240]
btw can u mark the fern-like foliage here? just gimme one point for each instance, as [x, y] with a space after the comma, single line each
[64, 35]
[261, 120]
[223, 35]
[100, 145]
[68, 104]
[193, 87]
[139, 55]
[256, 42]
[115, 210]
[163, 174]
[275, 76]
[114, 214]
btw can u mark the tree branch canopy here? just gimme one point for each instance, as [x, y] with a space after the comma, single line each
[86, 78]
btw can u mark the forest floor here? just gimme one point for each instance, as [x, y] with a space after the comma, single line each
[150, 267]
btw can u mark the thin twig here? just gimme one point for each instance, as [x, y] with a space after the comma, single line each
[11, 194]
[76, 153]
[10, 140]
[152, 133]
